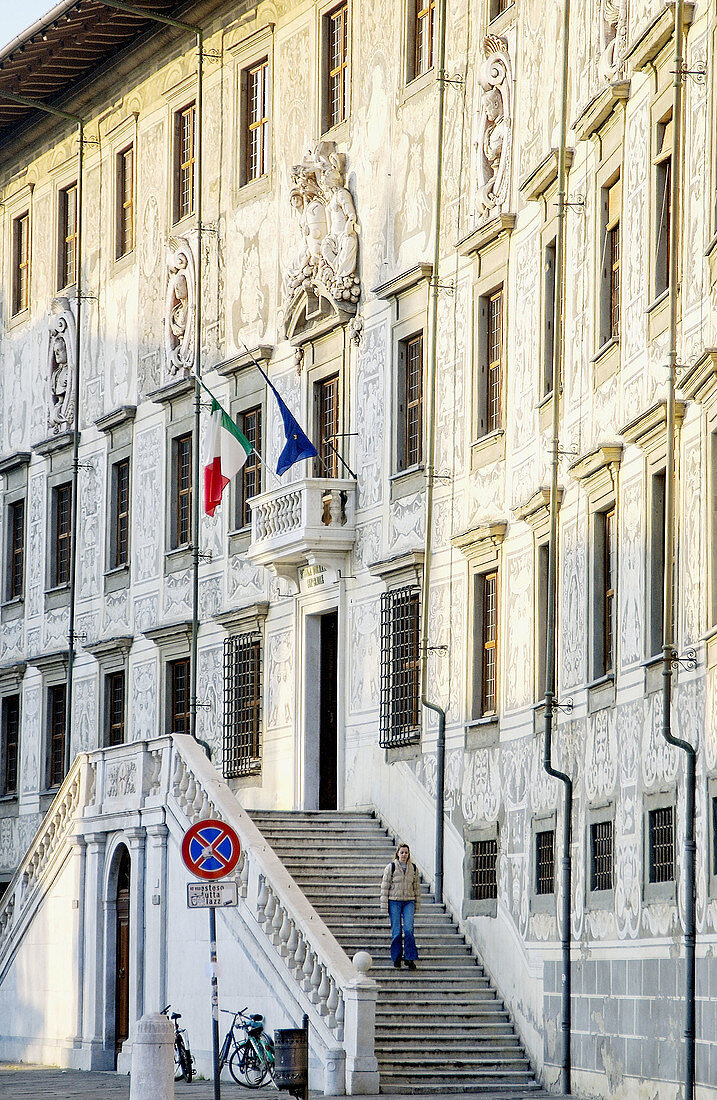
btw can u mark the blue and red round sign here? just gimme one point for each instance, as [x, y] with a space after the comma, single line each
[210, 849]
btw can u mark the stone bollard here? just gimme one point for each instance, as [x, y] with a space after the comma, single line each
[152, 1073]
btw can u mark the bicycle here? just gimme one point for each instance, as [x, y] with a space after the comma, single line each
[183, 1059]
[250, 1061]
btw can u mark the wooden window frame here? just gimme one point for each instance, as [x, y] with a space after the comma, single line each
[486, 641]
[56, 733]
[336, 66]
[249, 481]
[184, 167]
[182, 472]
[115, 725]
[121, 513]
[176, 716]
[67, 236]
[61, 535]
[410, 402]
[10, 745]
[491, 342]
[21, 265]
[16, 549]
[326, 464]
[663, 167]
[255, 121]
[421, 34]
[125, 201]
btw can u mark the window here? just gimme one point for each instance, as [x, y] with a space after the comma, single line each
[657, 563]
[610, 275]
[490, 417]
[484, 869]
[541, 600]
[422, 13]
[21, 263]
[327, 422]
[400, 667]
[115, 708]
[485, 644]
[67, 251]
[10, 744]
[549, 319]
[125, 202]
[661, 844]
[62, 535]
[605, 567]
[256, 121]
[249, 480]
[56, 714]
[182, 491]
[178, 687]
[545, 861]
[119, 547]
[337, 66]
[242, 705]
[15, 550]
[410, 402]
[184, 162]
[601, 855]
[663, 205]
[497, 7]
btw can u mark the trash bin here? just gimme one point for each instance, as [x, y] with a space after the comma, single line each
[291, 1060]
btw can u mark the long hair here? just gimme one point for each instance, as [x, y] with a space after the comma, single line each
[395, 856]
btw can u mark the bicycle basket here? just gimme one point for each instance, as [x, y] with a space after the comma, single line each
[256, 1024]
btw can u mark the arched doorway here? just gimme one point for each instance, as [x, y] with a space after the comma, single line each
[122, 935]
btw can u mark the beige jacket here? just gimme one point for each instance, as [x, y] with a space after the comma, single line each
[398, 885]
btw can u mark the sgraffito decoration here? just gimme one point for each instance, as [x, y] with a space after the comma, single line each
[495, 128]
[61, 359]
[180, 309]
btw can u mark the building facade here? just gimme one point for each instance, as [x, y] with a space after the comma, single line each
[314, 263]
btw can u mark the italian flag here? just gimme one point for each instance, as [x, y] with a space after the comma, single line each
[227, 451]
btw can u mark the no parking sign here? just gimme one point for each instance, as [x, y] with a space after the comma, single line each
[210, 849]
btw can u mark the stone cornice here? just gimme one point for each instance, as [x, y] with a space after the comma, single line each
[656, 34]
[245, 360]
[171, 632]
[244, 620]
[486, 235]
[404, 281]
[536, 511]
[699, 382]
[13, 461]
[403, 566]
[54, 444]
[590, 464]
[109, 647]
[647, 430]
[123, 415]
[171, 392]
[596, 113]
[537, 182]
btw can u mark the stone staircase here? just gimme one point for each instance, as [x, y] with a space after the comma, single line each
[441, 1028]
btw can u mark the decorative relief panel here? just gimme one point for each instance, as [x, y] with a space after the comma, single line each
[209, 714]
[689, 558]
[11, 639]
[36, 564]
[481, 786]
[601, 759]
[180, 308]
[143, 712]
[630, 570]
[245, 581]
[85, 715]
[121, 779]
[279, 679]
[146, 612]
[406, 524]
[518, 684]
[660, 761]
[364, 655]
[177, 594]
[370, 405]
[368, 542]
[15, 838]
[210, 597]
[90, 526]
[30, 745]
[115, 616]
[56, 624]
[573, 596]
[633, 295]
[146, 530]
[61, 359]
[495, 129]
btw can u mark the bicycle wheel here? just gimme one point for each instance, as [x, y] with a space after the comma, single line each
[182, 1062]
[246, 1067]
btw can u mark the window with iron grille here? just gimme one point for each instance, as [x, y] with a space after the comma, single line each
[423, 20]
[182, 490]
[178, 690]
[249, 479]
[120, 508]
[115, 707]
[242, 705]
[16, 550]
[184, 162]
[545, 861]
[256, 121]
[400, 667]
[663, 204]
[661, 844]
[125, 202]
[62, 533]
[484, 869]
[10, 743]
[410, 401]
[56, 713]
[327, 423]
[21, 263]
[337, 66]
[601, 855]
[67, 252]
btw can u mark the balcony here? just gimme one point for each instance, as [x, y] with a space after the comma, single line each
[303, 531]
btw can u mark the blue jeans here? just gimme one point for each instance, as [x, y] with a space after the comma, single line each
[402, 911]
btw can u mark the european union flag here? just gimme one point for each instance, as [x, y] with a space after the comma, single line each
[298, 445]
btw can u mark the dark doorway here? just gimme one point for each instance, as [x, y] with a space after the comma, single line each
[122, 954]
[328, 698]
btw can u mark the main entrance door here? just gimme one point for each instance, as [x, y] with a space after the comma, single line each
[328, 699]
[122, 954]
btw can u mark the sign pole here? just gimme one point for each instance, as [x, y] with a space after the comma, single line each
[215, 999]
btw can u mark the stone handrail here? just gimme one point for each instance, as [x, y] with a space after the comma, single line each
[313, 503]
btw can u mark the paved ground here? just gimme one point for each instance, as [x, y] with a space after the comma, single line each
[21, 1082]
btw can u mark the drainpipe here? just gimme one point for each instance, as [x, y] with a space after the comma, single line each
[196, 556]
[668, 642]
[430, 458]
[39, 106]
[552, 593]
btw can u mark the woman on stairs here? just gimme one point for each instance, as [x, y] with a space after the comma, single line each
[401, 897]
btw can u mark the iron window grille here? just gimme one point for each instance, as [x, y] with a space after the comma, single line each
[661, 844]
[601, 855]
[56, 711]
[242, 705]
[115, 707]
[10, 743]
[16, 549]
[400, 667]
[21, 263]
[179, 690]
[484, 869]
[545, 861]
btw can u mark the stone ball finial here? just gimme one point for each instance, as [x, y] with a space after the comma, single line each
[362, 961]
